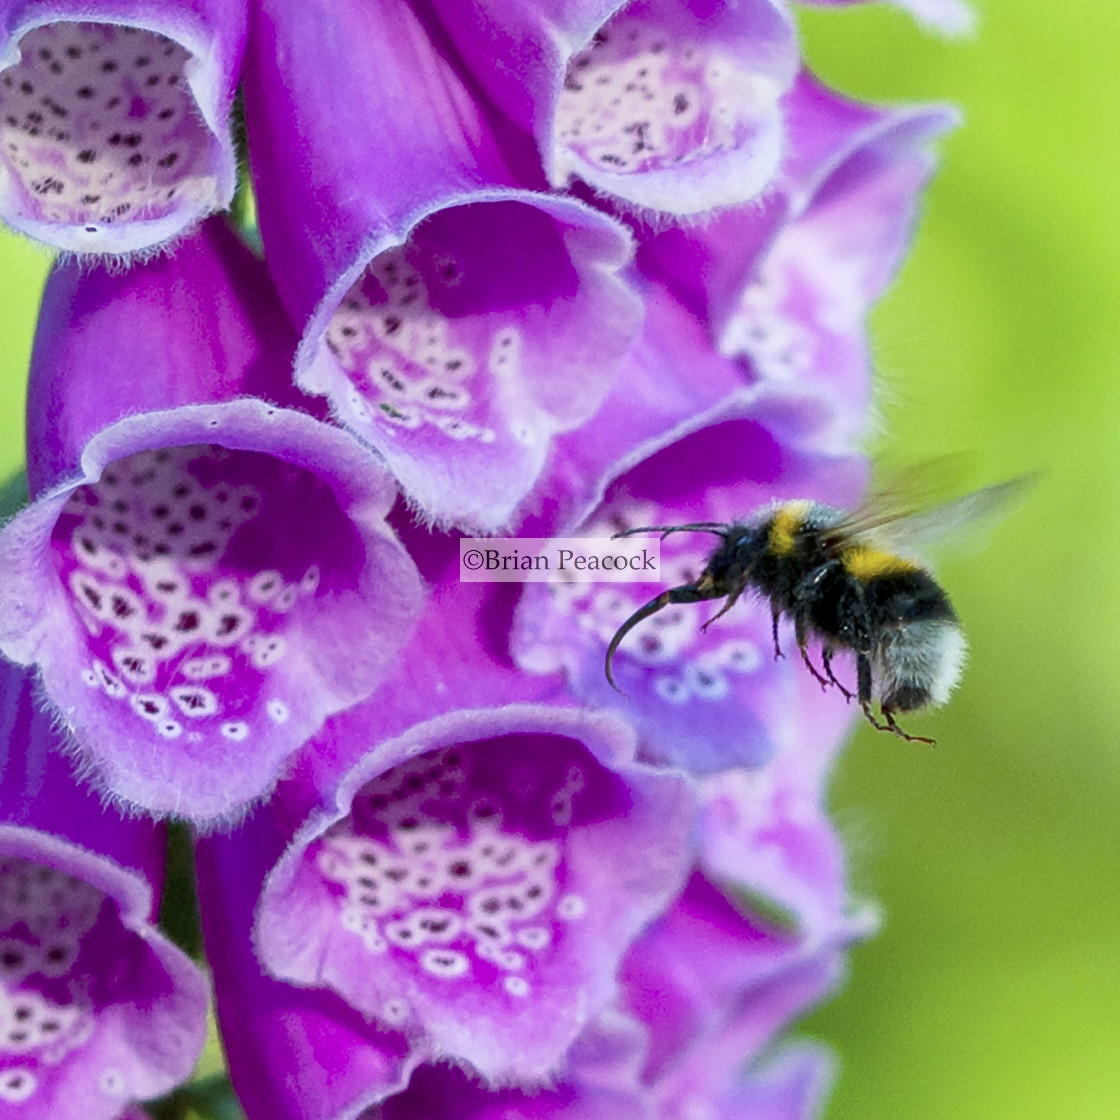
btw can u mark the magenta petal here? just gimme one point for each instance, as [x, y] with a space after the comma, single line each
[668, 105]
[784, 289]
[769, 833]
[455, 317]
[118, 126]
[802, 321]
[714, 985]
[461, 354]
[674, 104]
[100, 1008]
[794, 1085]
[190, 627]
[293, 1053]
[479, 878]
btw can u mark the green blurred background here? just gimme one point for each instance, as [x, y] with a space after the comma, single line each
[993, 990]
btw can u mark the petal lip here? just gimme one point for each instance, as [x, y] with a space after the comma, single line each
[213, 32]
[583, 986]
[36, 610]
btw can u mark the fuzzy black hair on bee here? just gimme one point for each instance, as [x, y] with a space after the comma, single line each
[841, 580]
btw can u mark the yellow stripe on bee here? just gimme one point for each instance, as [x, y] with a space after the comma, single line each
[866, 564]
[788, 519]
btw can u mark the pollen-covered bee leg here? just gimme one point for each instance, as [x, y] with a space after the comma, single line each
[775, 618]
[888, 715]
[688, 593]
[802, 633]
[826, 659]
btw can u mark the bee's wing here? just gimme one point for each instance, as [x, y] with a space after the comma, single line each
[915, 528]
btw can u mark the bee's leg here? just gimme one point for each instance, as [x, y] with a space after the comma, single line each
[775, 618]
[863, 685]
[802, 633]
[826, 658]
[732, 599]
[888, 715]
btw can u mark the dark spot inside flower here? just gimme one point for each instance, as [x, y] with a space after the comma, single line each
[165, 114]
[135, 160]
[197, 512]
[175, 529]
[11, 959]
[26, 87]
[168, 160]
[143, 60]
[85, 93]
[188, 621]
[22, 1014]
[228, 623]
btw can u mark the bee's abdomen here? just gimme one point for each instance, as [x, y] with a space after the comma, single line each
[917, 664]
[906, 597]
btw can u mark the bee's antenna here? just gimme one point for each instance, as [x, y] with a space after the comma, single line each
[717, 527]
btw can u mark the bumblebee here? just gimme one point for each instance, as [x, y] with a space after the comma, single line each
[844, 580]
